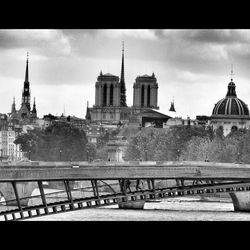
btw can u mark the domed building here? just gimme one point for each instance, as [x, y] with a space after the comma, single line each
[230, 113]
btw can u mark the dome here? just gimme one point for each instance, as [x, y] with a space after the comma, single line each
[231, 105]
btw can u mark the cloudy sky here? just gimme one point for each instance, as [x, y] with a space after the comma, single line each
[193, 66]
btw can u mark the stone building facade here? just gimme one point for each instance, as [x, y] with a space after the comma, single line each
[8, 134]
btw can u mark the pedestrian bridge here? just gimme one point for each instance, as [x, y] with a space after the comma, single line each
[129, 184]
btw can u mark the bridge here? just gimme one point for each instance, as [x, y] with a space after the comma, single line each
[129, 184]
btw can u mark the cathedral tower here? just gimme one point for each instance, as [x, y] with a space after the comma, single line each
[145, 92]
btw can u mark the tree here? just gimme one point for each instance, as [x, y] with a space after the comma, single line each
[244, 151]
[169, 144]
[91, 151]
[102, 153]
[140, 145]
[103, 140]
[60, 141]
[219, 132]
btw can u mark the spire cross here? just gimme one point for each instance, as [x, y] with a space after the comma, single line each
[232, 73]
[27, 56]
[122, 47]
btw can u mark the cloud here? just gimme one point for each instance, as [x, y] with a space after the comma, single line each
[134, 33]
[43, 41]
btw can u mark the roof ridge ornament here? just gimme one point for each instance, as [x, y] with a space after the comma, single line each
[232, 72]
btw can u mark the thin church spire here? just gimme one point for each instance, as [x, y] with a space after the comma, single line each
[122, 80]
[26, 86]
[27, 68]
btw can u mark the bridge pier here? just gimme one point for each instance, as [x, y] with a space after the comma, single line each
[139, 204]
[22, 189]
[241, 201]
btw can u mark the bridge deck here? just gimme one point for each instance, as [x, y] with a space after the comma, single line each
[33, 171]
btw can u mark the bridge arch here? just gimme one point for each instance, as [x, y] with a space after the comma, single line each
[25, 189]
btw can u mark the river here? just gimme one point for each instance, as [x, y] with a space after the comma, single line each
[171, 209]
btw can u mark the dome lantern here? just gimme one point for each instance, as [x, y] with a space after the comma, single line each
[231, 89]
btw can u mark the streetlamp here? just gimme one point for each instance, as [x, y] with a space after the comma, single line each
[178, 154]
[118, 154]
[60, 151]
[206, 160]
[29, 154]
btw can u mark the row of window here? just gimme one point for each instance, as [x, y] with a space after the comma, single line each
[240, 123]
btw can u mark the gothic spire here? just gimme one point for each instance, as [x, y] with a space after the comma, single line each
[122, 80]
[27, 69]
[34, 105]
[88, 116]
[13, 108]
[26, 86]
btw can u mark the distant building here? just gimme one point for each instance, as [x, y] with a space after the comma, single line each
[149, 118]
[25, 113]
[203, 120]
[176, 119]
[230, 113]
[116, 148]
[110, 100]
[73, 120]
[8, 134]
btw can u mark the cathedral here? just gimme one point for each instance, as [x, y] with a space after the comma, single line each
[25, 112]
[110, 97]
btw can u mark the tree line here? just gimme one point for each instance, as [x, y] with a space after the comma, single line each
[64, 142]
[61, 141]
[190, 143]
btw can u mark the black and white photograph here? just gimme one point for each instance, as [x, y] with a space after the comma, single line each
[124, 125]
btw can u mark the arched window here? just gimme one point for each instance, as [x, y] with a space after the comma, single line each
[234, 128]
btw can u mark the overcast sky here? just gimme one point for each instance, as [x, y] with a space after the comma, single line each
[193, 66]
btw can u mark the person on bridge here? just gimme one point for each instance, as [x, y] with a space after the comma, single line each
[139, 184]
